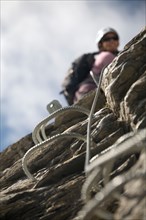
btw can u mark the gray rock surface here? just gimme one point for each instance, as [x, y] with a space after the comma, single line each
[114, 185]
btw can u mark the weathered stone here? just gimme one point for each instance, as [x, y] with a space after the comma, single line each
[58, 165]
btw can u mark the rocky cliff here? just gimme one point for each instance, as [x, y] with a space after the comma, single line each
[44, 175]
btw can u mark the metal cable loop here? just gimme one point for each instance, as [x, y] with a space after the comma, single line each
[55, 137]
[135, 144]
[95, 170]
[41, 126]
[116, 184]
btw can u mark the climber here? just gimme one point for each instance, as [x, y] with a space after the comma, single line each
[78, 81]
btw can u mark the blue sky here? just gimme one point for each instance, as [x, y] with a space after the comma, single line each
[39, 40]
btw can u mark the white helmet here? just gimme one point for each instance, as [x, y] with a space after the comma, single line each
[103, 32]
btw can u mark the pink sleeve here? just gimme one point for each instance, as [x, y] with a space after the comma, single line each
[102, 60]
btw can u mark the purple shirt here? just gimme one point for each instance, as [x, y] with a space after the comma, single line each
[102, 60]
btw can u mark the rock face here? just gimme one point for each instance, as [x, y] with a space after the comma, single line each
[112, 185]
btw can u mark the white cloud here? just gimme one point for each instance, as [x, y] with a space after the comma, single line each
[39, 40]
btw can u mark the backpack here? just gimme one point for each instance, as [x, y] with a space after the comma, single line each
[77, 72]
